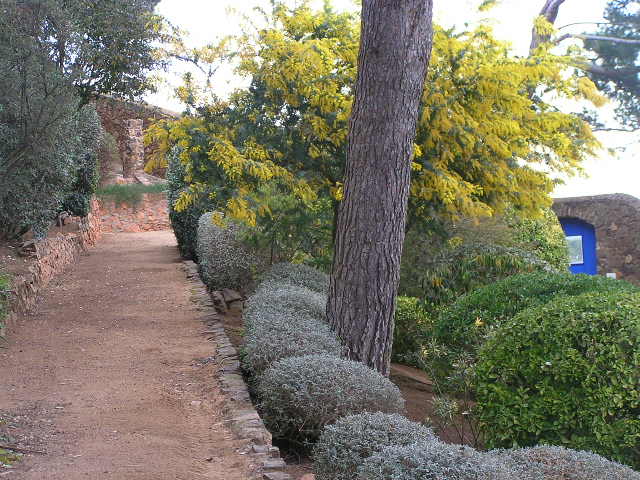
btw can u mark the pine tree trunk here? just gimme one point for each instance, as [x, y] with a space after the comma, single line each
[395, 48]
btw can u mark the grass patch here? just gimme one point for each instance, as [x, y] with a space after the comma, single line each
[8, 458]
[129, 193]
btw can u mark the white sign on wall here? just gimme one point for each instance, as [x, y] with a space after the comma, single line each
[576, 253]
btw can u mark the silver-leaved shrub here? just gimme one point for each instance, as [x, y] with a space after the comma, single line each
[301, 395]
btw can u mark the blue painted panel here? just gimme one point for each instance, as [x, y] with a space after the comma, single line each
[574, 227]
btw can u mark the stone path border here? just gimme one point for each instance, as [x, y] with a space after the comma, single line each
[242, 417]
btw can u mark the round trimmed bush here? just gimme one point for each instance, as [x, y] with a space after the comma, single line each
[286, 336]
[299, 275]
[432, 461]
[565, 373]
[275, 299]
[412, 324]
[223, 261]
[300, 395]
[345, 445]
[558, 463]
[470, 317]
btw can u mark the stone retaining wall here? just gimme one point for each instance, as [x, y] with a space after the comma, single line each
[127, 121]
[149, 214]
[50, 257]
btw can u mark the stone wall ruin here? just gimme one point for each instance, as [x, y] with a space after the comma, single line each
[616, 219]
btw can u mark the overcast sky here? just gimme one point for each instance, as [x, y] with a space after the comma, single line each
[206, 20]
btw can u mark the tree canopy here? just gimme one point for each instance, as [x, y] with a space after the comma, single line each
[609, 55]
[489, 133]
[55, 56]
[616, 69]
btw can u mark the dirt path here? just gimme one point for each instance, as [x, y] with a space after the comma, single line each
[111, 375]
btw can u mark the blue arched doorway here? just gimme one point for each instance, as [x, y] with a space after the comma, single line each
[581, 237]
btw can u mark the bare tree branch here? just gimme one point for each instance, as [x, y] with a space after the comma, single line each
[584, 36]
[588, 23]
[613, 129]
[609, 72]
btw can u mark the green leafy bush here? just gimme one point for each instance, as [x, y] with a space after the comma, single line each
[87, 172]
[565, 373]
[543, 236]
[466, 322]
[288, 334]
[299, 275]
[432, 461]
[557, 463]
[457, 258]
[412, 325]
[458, 270]
[184, 223]
[78, 204]
[295, 230]
[224, 262]
[346, 444]
[299, 396]
[52, 176]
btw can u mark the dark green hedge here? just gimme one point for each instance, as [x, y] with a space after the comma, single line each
[565, 373]
[465, 323]
[185, 222]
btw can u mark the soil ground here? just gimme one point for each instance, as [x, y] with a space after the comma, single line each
[111, 377]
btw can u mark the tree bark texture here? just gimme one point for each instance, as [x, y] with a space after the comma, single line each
[395, 49]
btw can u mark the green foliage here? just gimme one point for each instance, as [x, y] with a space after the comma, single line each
[59, 174]
[131, 193]
[8, 457]
[36, 136]
[78, 204]
[293, 230]
[461, 256]
[565, 373]
[456, 270]
[468, 321]
[100, 47]
[541, 235]
[299, 396]
[87, 172]
[617, 62]
[346, 444]
[185, 221]
[286, 133]
[53, 57]
[412, 325]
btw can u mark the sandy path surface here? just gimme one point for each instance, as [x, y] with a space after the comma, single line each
[111, 376]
